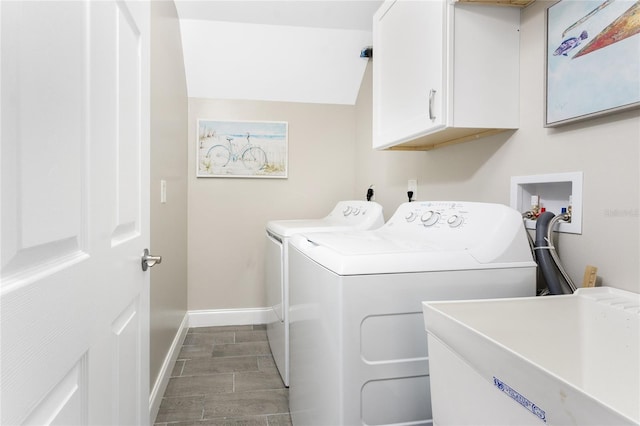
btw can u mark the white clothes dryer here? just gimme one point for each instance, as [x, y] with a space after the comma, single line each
[346, 215]
[358, 346]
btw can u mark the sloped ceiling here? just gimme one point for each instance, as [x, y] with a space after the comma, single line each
[293, 51]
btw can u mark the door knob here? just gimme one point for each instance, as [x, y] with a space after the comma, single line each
[149, 260]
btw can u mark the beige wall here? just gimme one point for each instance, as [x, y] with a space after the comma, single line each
[227, 216]
[168, 162]
[331, 159]
[605, 149]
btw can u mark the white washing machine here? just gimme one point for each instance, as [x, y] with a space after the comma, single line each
[346, 215]
[358, 346]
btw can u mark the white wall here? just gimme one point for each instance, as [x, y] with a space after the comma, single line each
[605, 149]
[230, 60]
[227, 216]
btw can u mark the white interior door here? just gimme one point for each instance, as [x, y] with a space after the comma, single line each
[75, 212]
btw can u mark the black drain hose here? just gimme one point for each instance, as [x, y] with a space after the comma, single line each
[545, 261]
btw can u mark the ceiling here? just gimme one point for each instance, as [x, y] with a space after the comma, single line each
[336, 14]
[293, 51]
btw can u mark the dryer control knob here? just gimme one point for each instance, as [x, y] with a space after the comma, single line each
[410, 217]
[356, 211]
[455, 221]
[430, 218]
[347, 211]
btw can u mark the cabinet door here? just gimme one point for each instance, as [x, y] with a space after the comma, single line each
[408, 70]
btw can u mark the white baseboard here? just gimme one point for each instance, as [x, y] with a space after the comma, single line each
[218, 317]
[160, 386]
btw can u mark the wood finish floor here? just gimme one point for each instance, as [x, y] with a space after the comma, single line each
[225, 376]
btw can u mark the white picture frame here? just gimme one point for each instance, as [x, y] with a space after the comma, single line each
[592, 61]
[242, 149]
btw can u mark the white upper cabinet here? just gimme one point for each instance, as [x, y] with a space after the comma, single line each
[443, 72]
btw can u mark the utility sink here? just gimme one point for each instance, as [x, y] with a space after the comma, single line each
[560, 360]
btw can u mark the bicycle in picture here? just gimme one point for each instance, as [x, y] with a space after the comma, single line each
[252, 157]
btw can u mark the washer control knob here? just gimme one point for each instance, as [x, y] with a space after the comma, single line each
[411, 217]
[455, 221]
[356, 211]
[347, 211]
[430, 218]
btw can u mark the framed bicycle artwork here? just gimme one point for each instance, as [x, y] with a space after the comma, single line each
[592, 61]
[242, 149]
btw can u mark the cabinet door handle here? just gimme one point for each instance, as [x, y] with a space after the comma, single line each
[432, 94]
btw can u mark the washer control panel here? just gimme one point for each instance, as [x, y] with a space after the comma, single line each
[453, 223]
[355, 209]
[433, 214]
[358, 213]
[345, 216]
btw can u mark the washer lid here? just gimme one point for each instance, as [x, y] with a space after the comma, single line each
[364, 243]
[371, 252]
[286, 228]
[427, 236]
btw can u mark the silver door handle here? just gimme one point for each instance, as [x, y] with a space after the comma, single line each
[149, 260]
[432, 94]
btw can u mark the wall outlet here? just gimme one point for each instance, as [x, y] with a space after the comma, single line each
[412, 185]
[373, 192]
